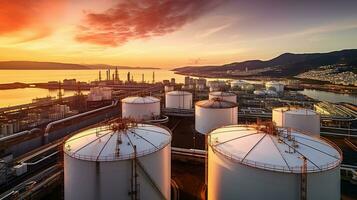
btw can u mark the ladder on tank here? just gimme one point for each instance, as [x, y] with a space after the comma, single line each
[134, 178]
[303, 183]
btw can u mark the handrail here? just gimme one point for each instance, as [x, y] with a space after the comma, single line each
[114, 157]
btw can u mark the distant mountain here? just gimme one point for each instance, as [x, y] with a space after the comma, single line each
[31, 65]
[287, 64]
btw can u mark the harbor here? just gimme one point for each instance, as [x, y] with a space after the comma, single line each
[30, 144]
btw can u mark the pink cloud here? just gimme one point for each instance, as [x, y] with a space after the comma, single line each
[31, 16]
[140, 19]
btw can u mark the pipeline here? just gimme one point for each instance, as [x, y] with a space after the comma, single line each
[42, 159]
[50, 125]
[15, 135]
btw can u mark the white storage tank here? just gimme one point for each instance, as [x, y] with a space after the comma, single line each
[275, 86]
[302, 119]
[259, 92]
[169, 88]
[140, 108]
[178, 99]
[118, 163]
[214, 113]
[226, 96]
[247, 163]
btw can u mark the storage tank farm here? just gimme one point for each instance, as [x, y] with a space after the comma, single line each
[255, 162]
[140, 108]
[305, 120]
[178, 99]
[226, 96]
[116, 161]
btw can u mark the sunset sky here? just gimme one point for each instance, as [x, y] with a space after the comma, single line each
[171, 33]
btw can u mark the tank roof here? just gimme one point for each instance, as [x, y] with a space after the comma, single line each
[179, 93]
[296, 111]
[219, 93]
[253, 147]
[102, 143]
[215, 103]
[140, 100]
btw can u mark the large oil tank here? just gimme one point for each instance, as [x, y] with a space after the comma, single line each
[140, 108]
[275, 86]
[245, 162]
[178, 99]
[226, 96]
[214, 113]
[131, 162]
[302, 119]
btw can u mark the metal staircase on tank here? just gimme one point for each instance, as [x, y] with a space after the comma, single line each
[303, 183]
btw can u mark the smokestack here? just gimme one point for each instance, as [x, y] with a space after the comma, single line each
[116, 74]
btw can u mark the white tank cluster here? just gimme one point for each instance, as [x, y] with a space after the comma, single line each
[213, 113]
[140, 108]
[216, 85]
[100, 93]
[245, 162]
[275, 86]
[169, 88]
[302, 119]
[226, 96]
[111, 163]
[265, 93]
[237, 84]
[242, 85]
[178, 99]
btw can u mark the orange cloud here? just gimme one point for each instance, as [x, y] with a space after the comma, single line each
[140, 19]
[28, 19]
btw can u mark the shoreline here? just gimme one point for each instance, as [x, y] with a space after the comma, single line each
[85, 69]
[305, 83]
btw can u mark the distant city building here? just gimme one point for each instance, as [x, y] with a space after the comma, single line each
[69, 82]
[166, 82]
[335, 74]
[187, 80]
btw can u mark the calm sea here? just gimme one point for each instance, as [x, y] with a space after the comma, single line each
[43, 76]
[21, 96]
[330, 96]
